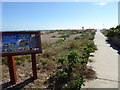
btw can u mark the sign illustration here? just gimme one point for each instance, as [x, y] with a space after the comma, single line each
[21, 42]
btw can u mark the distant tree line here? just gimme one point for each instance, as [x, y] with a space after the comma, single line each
[112, 32]
[113, 35]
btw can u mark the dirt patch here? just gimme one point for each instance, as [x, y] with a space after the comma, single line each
[73, 36]
[52, 37]
[49, 38]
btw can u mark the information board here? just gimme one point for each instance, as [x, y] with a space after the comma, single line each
[21, 42]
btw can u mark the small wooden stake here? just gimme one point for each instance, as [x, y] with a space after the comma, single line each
[33, 57]
[12, 69]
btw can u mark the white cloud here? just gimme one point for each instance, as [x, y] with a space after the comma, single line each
[102, 3]
[77, 0]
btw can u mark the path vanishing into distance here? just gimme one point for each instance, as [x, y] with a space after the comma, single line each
[105, 64]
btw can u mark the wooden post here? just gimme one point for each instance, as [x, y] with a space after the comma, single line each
[12, 69]
[34, 69]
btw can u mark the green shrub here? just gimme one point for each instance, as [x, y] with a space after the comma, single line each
[112, 31]
[61, 74]
[62, 60]
[78, 37]
[73, 45]
[87, 49]
[60, 41]
[73, 58]
[64, 36]
[77, 83]
[19, 62]
[83, 61]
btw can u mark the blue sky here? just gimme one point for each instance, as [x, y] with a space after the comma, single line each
[58, 15]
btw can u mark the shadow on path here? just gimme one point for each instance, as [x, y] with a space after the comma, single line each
[19, 85]
[113, 46]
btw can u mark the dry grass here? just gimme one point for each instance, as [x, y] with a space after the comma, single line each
[47, 62]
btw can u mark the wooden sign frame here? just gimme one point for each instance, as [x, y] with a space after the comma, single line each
[11, 60]
[24, 52]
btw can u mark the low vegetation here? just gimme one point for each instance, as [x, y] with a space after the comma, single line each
[113, 35]
[72, 57]
[65, 61]
[112, 32]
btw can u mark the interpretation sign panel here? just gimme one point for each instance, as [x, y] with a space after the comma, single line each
[21, 42]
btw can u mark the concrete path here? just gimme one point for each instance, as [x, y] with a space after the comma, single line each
[105, 65]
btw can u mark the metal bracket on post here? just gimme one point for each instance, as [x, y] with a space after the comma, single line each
[12, 69]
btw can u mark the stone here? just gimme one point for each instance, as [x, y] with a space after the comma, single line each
[21, 75]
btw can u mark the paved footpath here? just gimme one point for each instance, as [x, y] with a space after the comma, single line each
[105, 64]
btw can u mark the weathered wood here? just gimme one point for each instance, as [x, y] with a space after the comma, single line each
[34, 68]
[12, 69]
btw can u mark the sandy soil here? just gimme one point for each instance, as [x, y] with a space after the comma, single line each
[72, 37]
[47, 37]
[24, 72]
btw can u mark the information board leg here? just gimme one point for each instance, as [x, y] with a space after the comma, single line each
[12, 69]
[34, 69]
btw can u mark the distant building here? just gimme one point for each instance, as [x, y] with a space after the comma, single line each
[82, 27]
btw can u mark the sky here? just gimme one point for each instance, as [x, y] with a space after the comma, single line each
[119, 13]
[58, 15]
